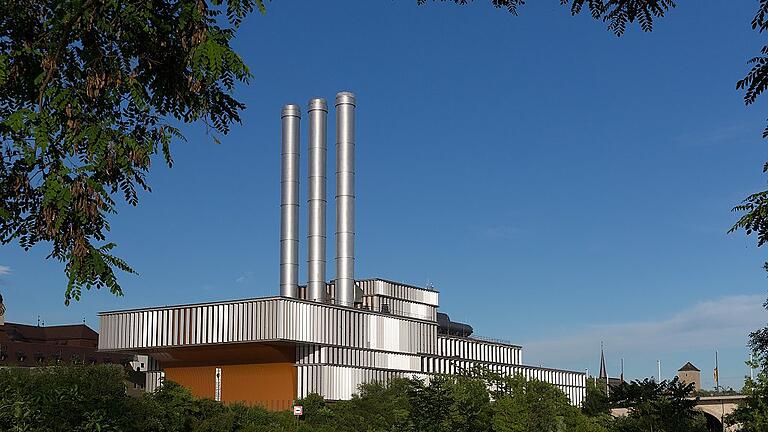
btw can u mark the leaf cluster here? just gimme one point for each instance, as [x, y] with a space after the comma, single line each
[596, 401]
[754, 208]
[617, 14]
[752, 414]
[666, 406]
[62, 398]
[90, 92]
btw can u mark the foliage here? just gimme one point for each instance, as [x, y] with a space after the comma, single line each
[90, 91]
[758, 342]
[537, 406]
[377, 407]
[752, 413]
[446, 404]
[664, 406]
[616, 13]
[754, 208]
[725, 391]
[62, 398]
[596, 400]
[91, 398]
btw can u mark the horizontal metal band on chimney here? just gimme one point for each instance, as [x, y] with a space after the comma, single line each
[289, 202]
[317, 201]
[345, 199]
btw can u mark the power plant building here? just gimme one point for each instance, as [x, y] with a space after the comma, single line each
[325, 337]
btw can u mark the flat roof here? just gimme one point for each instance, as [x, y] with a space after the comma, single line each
[252, 299]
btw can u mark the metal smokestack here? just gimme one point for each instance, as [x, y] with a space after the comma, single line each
[289, 203]
[345, 198]
[316, 232]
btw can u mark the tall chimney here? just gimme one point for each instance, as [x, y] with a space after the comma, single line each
[289, 203]
[345, 198]
[316, 233]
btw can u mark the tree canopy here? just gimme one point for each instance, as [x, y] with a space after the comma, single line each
[90, 92]
[90, 398]
[752, 413]
[83, 397]
[617, 14]
[664, 406]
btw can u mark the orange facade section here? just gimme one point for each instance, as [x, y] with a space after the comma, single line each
[271, 385]
[201, 381]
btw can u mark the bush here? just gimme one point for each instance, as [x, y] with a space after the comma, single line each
[93, 398]
[62, 398]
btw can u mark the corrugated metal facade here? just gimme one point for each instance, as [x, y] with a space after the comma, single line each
[396, 290]
[341, 382]
[337, 382]
[400, 307]
[473, 349]
[327, 355]
[337, 348]
[456, 355]
[258, 320]
[573, 384]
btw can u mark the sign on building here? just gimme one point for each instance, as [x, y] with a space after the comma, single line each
[217, 391]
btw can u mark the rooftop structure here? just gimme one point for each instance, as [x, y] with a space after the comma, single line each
[689, 367]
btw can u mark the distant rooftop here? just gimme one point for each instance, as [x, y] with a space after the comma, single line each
[689, 367]
[29, 333]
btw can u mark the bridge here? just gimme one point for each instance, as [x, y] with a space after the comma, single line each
[715, 408]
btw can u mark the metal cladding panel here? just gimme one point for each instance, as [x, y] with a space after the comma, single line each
[573, 384]
[458, 354]
[340, 356]
[339, 382]
[472, 349]
[265, 320]
[399, 307]
[410, 293]
[153, 380]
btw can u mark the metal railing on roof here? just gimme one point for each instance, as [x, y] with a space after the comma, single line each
[492, 340]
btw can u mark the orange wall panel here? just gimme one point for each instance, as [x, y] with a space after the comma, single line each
[200, 380]
[271, 385]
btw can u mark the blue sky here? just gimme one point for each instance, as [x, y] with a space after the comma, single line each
[557, 184]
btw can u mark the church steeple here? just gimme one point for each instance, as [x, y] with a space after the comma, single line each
[603, 371]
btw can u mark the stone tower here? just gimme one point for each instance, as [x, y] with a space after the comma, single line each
[690, 374]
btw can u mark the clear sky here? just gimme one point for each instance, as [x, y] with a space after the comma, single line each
[559, 185]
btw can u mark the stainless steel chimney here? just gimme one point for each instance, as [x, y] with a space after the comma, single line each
[289, 203]
[317, 201]
[345, 198]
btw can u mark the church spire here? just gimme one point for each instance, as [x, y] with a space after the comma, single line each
[603, 372]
